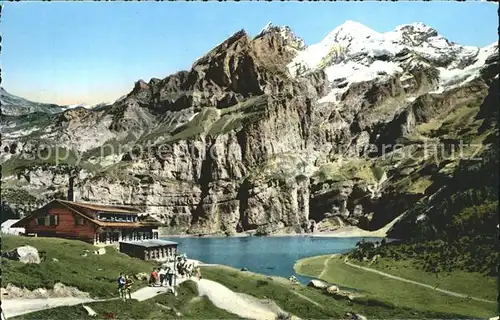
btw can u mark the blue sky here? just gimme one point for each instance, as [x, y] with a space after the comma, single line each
[90, 52]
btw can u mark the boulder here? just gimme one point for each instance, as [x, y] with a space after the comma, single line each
[24, 254]
[142, 276]
[353, 316]
[318, 284]
[40, 293]
[100, 251]
[11, 291]
[353, 221]
[244, 269]
[374, 259]
[332, 289]
[286, 316]
[61, 290]
[344, 295]
[294, 280]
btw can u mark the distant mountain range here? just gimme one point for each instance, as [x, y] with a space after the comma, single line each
[12, 105]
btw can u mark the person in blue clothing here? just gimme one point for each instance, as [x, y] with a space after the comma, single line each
[121, 285]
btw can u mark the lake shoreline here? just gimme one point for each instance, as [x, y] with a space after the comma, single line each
[345, 232]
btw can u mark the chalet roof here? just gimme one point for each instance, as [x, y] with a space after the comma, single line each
[102, 207]
[151, 243]
[76, 207]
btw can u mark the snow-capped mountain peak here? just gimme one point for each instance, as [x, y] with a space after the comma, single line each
[293, 42]
[353, 53]
[266, 29]
[349, 38]
[348, 31]
[416, 27]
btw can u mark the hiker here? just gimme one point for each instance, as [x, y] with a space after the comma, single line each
[170, 276]
[187, 270]
[154, 278]
[128, 286]
[180, 268]
[198, 273]
[162, 274]
[121, 285]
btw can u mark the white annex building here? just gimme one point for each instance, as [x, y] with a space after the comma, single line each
[7, 227]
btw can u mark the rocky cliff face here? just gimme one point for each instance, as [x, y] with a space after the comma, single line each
[264, 133]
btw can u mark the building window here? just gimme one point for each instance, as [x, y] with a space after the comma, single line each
[47, 220]
[54, 220]
[79, 221]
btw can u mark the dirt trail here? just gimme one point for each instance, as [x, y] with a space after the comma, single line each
[220, 296]
[16, 307]
[306, 298]
[233, 302]
[325, 265]
[450, 293]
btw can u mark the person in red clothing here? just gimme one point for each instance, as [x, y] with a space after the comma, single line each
[154, 278]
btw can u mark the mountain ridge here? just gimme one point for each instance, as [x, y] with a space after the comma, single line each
[291, 147]
[12, 105]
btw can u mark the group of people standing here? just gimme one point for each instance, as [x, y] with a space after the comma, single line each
[165, 275]
[124, 286]
[162, 277]
[187, 269]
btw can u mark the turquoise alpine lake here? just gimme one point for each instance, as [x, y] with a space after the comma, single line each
[273, 256]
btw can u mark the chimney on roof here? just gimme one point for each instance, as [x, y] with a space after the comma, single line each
[71, 194]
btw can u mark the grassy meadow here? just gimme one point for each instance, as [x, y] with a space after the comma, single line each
[403, 294]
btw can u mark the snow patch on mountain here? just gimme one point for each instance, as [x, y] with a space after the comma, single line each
[294, 43]
[19, 133]
[350, 39]
[354, 53]
[266, 29]
[88, 106]
[452, 78]
[351, 72]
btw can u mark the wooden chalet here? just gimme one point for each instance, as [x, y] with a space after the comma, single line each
[89, 222]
